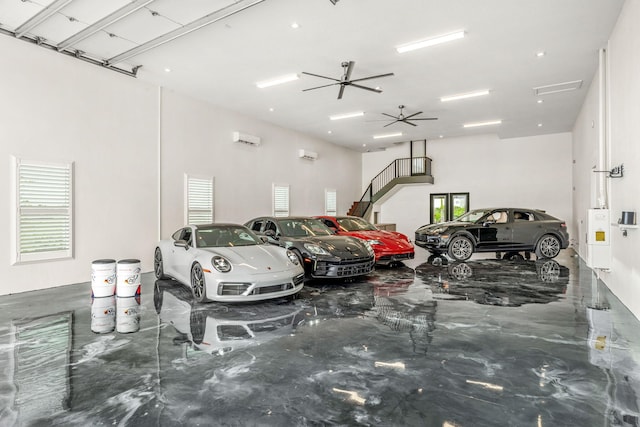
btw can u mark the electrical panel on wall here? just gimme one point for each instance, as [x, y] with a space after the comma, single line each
[598, 238]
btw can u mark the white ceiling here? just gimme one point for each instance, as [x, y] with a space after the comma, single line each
[222, 61]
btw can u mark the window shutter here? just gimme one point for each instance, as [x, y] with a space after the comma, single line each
[199, 200]
[280, 200]
[44, 206]
[330, 202]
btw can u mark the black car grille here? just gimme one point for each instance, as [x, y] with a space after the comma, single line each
[396, 257]
[345, 268]
[273, 288]
[421, 237]
[233, 288]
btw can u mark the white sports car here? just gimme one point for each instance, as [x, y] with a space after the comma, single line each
[228, 263]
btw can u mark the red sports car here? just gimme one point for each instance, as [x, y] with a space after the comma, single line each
[390, 247]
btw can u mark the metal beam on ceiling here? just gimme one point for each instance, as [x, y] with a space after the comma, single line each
[41, 16]
[103, 23]
[179, 32]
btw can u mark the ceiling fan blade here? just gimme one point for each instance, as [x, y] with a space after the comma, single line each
[322, 77]
[372, 77]
[366, 88]
[347, 75]
[341, 92]
[414, 114]
[389, 115]
[391, 123]
[409, 123]
[426, 118]
[319, 87]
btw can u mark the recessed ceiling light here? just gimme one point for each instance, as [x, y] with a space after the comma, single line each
[347, 115]
[430, 42]
[277, 80]
[167, 70]
[540, 101]
[295, 25]
[329, 132]
[441, 136]
[540, 54]
[364, 145]
[387, 135]
[539, 125]
[489, 123]
[465, 95]
[271, 109]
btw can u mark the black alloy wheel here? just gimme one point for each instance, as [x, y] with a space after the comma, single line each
[198, 286]
[158, 267]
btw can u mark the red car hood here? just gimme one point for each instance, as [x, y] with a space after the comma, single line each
[390, 240]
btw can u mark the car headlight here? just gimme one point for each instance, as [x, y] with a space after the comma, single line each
[369, 248]
[315, 249]
[221, 264]
[293, 258]
[375, 242]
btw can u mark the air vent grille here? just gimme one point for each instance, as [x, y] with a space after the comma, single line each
[558, 87]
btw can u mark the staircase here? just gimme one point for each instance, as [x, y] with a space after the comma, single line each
[415, 170]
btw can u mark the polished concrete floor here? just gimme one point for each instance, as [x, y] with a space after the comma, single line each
[430, 343]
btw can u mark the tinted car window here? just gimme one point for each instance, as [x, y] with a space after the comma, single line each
[270, 225]
[302, 227]
[523, 216]
[257, 225]
[356, 224]
[226, 236]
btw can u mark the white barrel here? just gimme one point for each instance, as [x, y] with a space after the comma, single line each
[128, 278]
[103, 277]
[103, 314]
[127, 314]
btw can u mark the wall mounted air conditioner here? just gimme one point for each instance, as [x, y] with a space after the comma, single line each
[246, 138]
[306, 154]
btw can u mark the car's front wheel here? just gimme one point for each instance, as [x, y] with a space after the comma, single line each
[548, 247]
[460, 248]
[158, 266]
[198, 285]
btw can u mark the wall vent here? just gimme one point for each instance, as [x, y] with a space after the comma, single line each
[558, 87]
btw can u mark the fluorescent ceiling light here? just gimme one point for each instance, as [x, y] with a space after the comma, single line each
[346, 115]
[558, 87]
[430, 42]
[387, 135]
[464, 95]
[277, 81]
[489, 123]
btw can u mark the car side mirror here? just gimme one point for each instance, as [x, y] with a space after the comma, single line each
[264, 239]
[181, 244]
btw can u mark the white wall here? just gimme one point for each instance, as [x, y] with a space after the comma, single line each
[623, 148]
[113, 127]
[197, 139]
[104, 122]
[532, 172]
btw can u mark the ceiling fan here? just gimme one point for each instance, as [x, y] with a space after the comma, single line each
[346, 79]
[405, 119]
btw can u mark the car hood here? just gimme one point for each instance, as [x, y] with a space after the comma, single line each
[259, 258]
[340, 246]
[439, 228]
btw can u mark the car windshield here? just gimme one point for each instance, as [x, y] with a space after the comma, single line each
[225, 236]
[355, 224]
[303, 227]
[473, 216]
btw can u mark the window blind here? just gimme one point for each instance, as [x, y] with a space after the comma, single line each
[280, 200]
[330, 202]
[44, 207]
[199, 205]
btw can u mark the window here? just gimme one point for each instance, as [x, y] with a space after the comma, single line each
[198, 200]
[330, 202]
[448, 206]
[44, 211]
[280, 200]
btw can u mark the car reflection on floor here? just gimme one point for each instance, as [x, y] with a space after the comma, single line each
[221, 328]
[509, 283]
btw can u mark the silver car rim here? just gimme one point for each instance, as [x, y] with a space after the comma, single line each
[461, 249]
[197, 281]
[549, 247]
[157, 263]
[550, 272]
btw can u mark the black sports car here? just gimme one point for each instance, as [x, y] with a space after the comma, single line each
[496, 230]
[321, 252]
